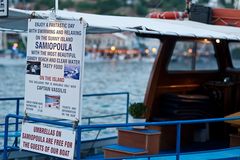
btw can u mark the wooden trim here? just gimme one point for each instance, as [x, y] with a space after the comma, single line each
[179, 86]
[139, 132]
[158, 68]
[127, 152]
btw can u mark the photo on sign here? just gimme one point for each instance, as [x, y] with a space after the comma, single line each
[72, 71]
[33, 68]
[52, 101]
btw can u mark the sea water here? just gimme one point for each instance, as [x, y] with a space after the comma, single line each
[99, 77]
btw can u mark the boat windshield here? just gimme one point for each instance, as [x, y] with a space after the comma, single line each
[234, 48]
[193, 56]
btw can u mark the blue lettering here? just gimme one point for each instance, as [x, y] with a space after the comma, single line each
[53, 46]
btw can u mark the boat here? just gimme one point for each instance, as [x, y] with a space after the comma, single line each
[8, 58]
[192, 91]
[12, 62]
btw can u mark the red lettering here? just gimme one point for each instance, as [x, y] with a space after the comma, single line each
[37, 147]
[54, 150]
[68, 144]
[58, 142]
[64, 153]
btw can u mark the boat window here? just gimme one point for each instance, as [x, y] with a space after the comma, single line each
[193, 56]
[234, 48]
[121, 46]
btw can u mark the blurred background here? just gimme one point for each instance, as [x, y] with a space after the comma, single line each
[119, 7]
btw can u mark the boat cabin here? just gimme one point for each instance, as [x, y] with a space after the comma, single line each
[200, 74]
[194, 78]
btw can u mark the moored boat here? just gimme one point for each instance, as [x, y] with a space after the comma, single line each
[193, 92]
[12, 62]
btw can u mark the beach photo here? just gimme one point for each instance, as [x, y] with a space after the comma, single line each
[33, 68]
[52, 101]
[72, 71]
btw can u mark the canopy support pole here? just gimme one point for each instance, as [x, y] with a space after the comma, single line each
[56, 6]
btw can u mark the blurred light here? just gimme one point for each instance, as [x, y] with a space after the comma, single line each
[147, 51]
[190, 50]
[129, 2]
[15, 45]
[154, 50]
[217, 40]
[113, 48]
[206, 40]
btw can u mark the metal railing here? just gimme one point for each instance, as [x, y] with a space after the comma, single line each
[17, 112]
[110, 115]
[178, 124]
[80, 128]
[88, 118]
[18, 99]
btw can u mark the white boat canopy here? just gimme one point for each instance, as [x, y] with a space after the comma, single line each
[17, 21]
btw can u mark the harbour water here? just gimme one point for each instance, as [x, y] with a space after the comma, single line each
[99, 77]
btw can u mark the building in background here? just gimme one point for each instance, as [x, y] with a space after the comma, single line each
[120, 46]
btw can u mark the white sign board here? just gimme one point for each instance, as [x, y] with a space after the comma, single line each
[3, 8]
[55, 52]
[48, 140]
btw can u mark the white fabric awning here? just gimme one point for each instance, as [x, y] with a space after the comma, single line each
[17, 20]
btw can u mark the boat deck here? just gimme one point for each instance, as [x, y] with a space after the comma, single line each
[220, 154]
[12, 129]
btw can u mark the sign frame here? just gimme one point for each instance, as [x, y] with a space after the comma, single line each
[52, 141]
[5, 8]
[78, 51]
